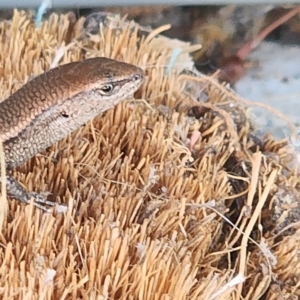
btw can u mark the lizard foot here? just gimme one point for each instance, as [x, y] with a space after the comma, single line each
[16, 191]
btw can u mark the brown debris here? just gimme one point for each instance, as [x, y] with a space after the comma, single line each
[161, 204]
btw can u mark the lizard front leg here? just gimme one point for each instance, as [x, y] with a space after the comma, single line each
[15, 190]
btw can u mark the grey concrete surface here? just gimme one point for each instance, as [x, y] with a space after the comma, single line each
[273, 80]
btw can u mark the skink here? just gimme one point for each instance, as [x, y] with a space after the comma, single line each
[54, 104]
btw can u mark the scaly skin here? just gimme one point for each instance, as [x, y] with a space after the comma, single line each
[52, 105]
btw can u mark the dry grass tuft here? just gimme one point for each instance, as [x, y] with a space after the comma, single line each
[171, 196]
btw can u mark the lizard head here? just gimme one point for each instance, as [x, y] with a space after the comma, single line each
[105, 77]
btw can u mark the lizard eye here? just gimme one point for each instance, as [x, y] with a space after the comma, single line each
[106, 89]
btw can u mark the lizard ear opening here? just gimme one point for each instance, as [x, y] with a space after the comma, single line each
[65, 115]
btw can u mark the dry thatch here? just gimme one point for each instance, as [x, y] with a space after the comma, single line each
[168, 197]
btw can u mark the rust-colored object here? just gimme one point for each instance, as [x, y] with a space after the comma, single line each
[233, 66]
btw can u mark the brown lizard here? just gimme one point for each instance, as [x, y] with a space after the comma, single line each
[54, 104]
